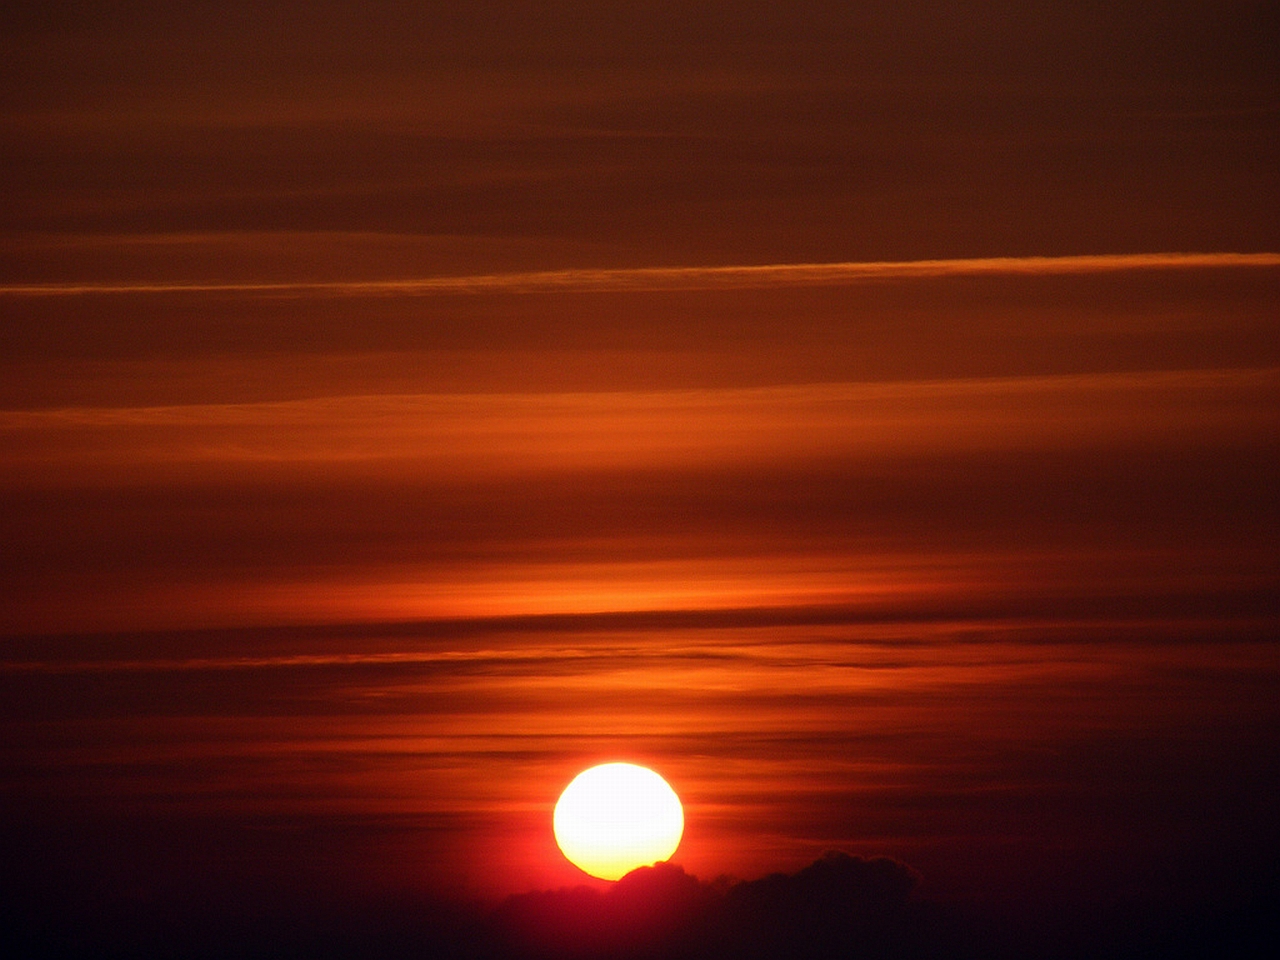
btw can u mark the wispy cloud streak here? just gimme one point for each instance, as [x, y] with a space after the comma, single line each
[679, 278]
[453, 434]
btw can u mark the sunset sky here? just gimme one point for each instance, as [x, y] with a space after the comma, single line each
[865, 414]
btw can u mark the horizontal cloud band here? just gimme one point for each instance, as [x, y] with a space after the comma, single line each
[681, 278]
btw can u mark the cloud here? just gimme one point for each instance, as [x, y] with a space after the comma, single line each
[679, 278]
[838, 904]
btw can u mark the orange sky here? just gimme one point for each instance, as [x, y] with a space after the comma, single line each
[403, 589]
[867, 416]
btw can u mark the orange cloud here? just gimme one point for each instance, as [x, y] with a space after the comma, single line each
[684, 278]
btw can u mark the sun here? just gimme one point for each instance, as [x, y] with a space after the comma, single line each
[616, 817]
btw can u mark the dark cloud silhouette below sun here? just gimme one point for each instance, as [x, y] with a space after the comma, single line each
[837, 905]
[840, 906]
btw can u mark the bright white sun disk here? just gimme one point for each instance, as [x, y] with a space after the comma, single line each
[616, 817]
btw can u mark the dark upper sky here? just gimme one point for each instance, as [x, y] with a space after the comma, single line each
[624, 134]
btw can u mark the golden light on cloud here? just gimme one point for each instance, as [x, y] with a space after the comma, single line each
[616, 817]
[634, 279]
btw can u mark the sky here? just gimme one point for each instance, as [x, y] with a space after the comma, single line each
[864, 415]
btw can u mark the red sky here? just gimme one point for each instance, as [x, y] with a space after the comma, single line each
[866, 417]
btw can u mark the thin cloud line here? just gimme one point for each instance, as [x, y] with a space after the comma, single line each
[679, 278]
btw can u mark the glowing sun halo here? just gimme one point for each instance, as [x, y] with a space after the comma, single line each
[616, 817]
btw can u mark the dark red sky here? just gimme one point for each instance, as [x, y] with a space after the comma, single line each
[639, 133]
[866, 416]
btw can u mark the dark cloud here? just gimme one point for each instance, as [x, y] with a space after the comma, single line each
[840, 906]
[836, 905]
